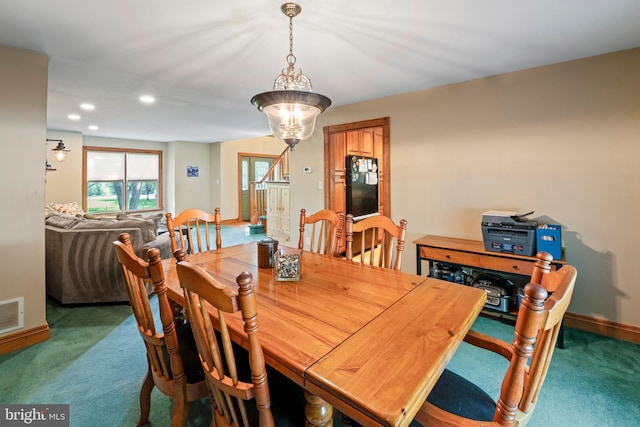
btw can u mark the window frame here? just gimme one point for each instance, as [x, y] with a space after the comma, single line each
[160, 185]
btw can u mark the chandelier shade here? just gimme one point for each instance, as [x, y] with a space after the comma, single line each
[291, 113]
[291, 107]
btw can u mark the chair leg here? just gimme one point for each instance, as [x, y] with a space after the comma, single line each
[145, 398]
[180, 411]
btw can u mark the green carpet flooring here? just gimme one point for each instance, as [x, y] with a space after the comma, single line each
[95, 362]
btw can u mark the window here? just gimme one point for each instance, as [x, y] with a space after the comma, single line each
[121, 180]
[245, 175]
[260, 169]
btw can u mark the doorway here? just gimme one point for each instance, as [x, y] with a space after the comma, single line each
[370, 138]
[251, 167]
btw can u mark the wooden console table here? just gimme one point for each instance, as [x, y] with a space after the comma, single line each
[471, 254]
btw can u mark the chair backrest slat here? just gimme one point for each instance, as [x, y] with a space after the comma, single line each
[378, 236]
[186, 233]
[326, 231]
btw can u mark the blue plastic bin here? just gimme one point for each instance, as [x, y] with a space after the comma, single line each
[549, 239]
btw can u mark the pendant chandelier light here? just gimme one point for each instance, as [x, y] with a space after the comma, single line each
[291, 107]
[60, 152]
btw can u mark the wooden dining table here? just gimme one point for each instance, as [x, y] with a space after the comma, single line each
[369, 341]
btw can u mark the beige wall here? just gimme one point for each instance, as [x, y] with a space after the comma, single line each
[23, 120]
[63, 185]
[563, 140]
[229, 168]
[191, 192]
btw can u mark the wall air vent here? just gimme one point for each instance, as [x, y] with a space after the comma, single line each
[11, 314]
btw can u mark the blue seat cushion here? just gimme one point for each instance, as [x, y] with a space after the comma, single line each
[459, 396]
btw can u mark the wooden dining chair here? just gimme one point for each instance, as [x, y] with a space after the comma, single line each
[455, 401]
[326, 231]
[237, 379]
[172, 356]
[187, 224]
[376, 237]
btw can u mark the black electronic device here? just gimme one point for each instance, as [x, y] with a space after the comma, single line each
[448, 272]
[500, 290]
[509, 232]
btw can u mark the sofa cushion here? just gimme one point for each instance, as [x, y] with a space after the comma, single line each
[93, 216]
[61, 220]
[147, 228]
[148, 224]
[162, 243]
[157, 219]
[96, 224]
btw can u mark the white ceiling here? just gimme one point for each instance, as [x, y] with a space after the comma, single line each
[203, 60]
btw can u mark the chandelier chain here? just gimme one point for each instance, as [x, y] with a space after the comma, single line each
[291, 58]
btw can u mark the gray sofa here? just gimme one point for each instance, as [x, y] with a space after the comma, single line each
[81, 266]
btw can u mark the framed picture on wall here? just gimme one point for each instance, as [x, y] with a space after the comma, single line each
[192, 171]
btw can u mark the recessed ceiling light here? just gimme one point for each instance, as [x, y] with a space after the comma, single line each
[147, 99]
[87, 106]
[73, 117]
[93, 127]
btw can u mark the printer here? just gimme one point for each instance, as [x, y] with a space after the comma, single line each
[509, 232]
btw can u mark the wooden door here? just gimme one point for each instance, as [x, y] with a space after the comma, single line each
[367, 138]
[336, 186]
[379, 150]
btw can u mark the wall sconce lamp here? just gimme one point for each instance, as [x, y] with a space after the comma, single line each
[60, 152]
[291, 107]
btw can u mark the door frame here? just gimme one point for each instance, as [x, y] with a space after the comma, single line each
[329, 177]
[240, 156]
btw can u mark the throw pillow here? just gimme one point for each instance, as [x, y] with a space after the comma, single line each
[72, 208]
